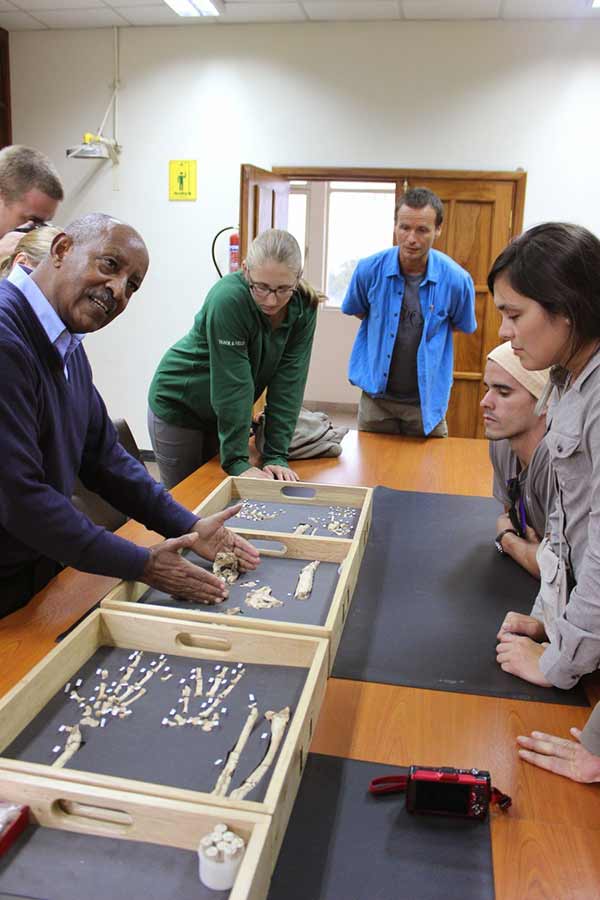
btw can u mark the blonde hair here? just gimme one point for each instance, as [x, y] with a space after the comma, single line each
[35, 245]
[276, 245]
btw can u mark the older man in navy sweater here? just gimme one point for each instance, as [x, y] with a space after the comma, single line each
[54, 426]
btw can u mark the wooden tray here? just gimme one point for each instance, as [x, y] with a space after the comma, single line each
[108, 813]
[232, 490]
[348, 553]
[190, 639]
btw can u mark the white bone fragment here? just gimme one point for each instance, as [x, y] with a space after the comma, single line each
[301, 528]
[278, 722]
[226, 567]
[224, 780]
[261, 598]
[71, 747]
[305, 581]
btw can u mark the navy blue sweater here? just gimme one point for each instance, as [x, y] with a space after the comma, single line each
[51, 430]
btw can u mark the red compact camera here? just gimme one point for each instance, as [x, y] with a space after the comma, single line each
[444, 791]
[449, 792]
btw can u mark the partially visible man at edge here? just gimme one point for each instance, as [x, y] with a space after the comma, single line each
[410, 299]
[54, 425]
[30, 191]
[519, 454]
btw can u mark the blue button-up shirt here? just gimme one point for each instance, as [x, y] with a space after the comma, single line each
[376, 291]
[53, 325]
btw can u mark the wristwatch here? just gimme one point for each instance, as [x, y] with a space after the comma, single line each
[498, 539]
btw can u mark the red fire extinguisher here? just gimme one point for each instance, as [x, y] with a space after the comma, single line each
[234, 252]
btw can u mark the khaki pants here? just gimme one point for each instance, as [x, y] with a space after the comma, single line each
[392, 417]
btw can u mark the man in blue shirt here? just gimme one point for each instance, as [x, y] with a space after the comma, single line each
[54, 426]
[410, 299]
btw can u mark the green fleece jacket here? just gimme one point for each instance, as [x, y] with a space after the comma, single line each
[221, 367]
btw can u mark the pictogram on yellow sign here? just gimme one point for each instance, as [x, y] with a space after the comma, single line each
[182, 179]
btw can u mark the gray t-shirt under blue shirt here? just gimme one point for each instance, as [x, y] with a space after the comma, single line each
[403, 384]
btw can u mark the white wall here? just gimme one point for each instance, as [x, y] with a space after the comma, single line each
[479, 95]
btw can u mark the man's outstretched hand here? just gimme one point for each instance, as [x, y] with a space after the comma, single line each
[213, 537]
[168, 571]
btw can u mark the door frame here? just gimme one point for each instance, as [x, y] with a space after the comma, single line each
[5, 111]
[354, 173]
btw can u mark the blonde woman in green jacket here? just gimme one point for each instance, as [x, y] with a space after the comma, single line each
[254, 331]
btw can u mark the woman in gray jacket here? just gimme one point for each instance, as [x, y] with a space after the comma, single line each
[546, 285]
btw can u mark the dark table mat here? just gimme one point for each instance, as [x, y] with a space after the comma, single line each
[139, 747]
[289, 515]
[344, 844]
[282, 576]
[50, 864]
[430, 598]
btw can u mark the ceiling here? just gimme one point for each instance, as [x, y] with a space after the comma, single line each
[28, 15]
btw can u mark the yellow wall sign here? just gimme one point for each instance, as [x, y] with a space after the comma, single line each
[182, 179]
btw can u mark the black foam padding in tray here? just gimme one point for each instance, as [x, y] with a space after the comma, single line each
[281, 575]
[341, 842]
[431, 595]
[50, 864]
[139, 747]
[290, 515]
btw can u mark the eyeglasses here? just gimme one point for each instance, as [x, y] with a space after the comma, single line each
[516, 512]
[30, 226]
[262, 291]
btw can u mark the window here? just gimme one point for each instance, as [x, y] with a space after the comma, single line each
[341, 222]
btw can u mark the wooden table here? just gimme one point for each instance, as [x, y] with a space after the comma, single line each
[548, 846]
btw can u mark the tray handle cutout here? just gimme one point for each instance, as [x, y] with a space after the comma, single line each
[301, 493]
[112, 820]
[270, 547]
[206, 643]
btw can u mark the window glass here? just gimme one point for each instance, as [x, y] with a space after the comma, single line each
[360, 223]
[297, 210]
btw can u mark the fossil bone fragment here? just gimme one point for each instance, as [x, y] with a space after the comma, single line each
[185, 695]
[224, 779]
[301, 528]
[226, 566]
[198, 674]
[261, 598]
[339, 528]
[278, 722]
[71, 747]
[305, 581]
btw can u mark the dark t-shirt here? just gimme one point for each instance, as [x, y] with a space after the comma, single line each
[403, 384]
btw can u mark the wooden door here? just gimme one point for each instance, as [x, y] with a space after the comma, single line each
[478, 215]
[263, 203]
[5, 119]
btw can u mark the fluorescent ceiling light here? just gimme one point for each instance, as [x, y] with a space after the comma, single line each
[197, 7]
